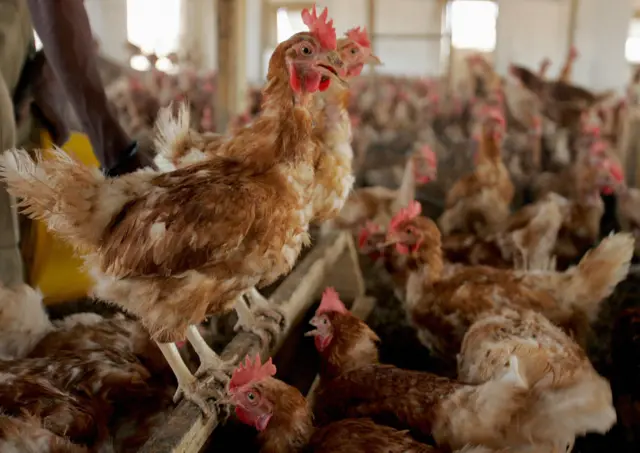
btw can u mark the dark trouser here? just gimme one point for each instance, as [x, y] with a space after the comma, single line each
[15, 35]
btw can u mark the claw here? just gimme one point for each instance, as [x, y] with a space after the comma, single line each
[198, 394]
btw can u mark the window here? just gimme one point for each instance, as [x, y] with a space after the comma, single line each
[289, 23]
[632, 47]
[473, 24]
[154, 26]
[37, 39]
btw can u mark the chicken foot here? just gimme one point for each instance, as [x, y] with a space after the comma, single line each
[260, 317]
[210, 362]
[200, 389]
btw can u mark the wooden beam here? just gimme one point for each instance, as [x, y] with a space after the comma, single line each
[573, 22]
[371, 21]
[422, 36]
[231, 60]
[186, 431]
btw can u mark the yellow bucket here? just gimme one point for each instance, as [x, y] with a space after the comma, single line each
[55, 268]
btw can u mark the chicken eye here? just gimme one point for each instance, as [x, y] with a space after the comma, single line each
[306, 50]
[324, 321]
[251, 396]
[408, 230]
[354, 51]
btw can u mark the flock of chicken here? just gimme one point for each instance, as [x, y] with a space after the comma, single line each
[231, 212]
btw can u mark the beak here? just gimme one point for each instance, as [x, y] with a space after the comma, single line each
[392, 239]
[312, 333]
[333, 67]
[372, 59]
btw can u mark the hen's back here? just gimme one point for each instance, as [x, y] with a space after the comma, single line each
[364, 436]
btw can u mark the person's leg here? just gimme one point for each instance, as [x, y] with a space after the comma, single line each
[15, 36]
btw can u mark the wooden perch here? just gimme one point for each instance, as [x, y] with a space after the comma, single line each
[186, 431]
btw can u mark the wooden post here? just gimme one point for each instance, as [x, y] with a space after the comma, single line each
[231, 61]
[573, 22]
[371, 21]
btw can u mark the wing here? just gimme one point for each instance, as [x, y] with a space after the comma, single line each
[186, 222]
[363, 435]
[463, 188]
[393, 396]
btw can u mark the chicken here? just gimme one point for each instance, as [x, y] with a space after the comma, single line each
[442, 308]
[527, 240]
[625, 355]
[31, 398]
[519, 449]
[479, 202]
[565, 73]
[23, 321]
[173, 248]
[285, 423]
[332, 163]
[378, 204]
[544, 67]
[568, 398]
[85, 376]
[581, 227]
[354, 384]
[27, 435]
[627, 204]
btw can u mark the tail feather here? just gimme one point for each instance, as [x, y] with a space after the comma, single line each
[476, 414]
[174, 138]
[596, 276]
[76, 202]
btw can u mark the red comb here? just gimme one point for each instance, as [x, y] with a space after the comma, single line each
[428, 155]
[614, 169]
[410, 212]
[598, 147]
[331, 303]
[495, 114]
[359, 36]
[318, 26]
[251, 372]
[365, 232]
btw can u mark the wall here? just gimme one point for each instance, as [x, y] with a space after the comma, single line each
[199, 31]
[531, 30]
[527, 30]
[109, 24]
[601, 34]
[415, 55]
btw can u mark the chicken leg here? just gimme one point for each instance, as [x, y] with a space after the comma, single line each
[261, 318]
[210, 362]
[188, 385]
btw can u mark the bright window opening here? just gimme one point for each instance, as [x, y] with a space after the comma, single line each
[632, 47]
[289, 23]
[37, 41]
[473, 24]
[154, 26]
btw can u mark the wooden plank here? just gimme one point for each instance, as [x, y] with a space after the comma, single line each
[346, 276]
[573, 22]
[400, 36]
[371, 20]
[186, 431]
[231, 57]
